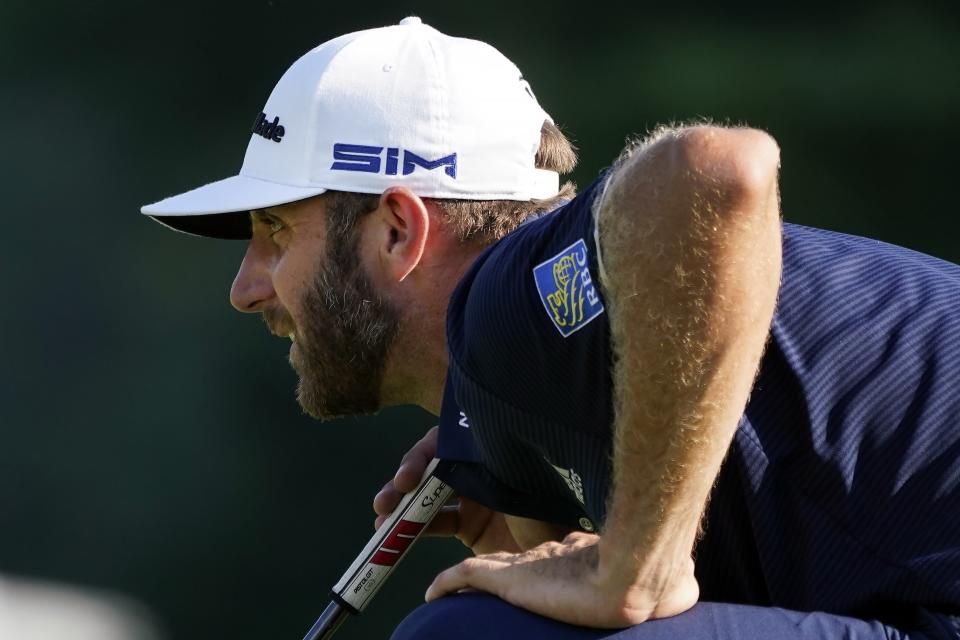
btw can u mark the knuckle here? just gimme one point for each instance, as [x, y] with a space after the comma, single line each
[469, 567]
[384, 502]
[444, 580]
[574, 537]
[555, 547]
[426, 443]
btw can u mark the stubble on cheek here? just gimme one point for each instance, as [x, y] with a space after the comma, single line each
[345, 338]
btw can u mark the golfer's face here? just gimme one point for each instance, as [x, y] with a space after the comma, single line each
[279, 265]
[340, 327]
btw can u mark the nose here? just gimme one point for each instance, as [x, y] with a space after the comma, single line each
[252, 289]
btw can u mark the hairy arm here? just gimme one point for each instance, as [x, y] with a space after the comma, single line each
[689, 234]
[690, 242]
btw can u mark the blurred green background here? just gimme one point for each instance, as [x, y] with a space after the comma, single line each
[151, 443]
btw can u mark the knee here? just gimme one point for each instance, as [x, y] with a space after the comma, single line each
[463, 616]
[444, 618]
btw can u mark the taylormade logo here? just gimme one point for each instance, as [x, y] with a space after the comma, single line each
[386, 160]
[269, 130]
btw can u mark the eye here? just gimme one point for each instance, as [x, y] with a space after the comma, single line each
[273, 224]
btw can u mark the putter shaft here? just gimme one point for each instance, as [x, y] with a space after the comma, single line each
[328, 622]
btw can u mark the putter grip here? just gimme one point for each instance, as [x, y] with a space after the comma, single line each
[354, 591]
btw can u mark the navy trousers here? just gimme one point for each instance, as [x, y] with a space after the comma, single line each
[475, 615]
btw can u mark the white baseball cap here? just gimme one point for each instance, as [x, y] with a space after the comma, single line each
[400, 105]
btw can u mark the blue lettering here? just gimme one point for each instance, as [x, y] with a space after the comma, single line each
[356, 157]
[412, 160]
[392, 155]
[369, 159]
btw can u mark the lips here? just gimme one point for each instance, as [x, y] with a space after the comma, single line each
[282, 332]
[279, 324]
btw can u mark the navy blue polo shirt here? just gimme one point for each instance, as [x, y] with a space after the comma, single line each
[841, 489]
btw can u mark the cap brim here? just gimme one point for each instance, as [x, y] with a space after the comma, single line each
[218, 209]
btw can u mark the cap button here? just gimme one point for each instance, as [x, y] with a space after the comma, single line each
[411, 20]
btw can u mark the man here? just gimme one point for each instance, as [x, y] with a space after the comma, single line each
[592, 367]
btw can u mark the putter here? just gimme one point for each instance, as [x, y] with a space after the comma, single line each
[354, 591]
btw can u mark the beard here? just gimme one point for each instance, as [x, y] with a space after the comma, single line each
[348, 329]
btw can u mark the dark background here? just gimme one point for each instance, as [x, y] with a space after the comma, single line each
[149, 438]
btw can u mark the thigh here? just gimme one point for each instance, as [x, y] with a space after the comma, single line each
[479, 615]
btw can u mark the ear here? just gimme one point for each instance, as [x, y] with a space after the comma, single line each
[407, 225]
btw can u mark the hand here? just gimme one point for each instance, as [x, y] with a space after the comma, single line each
[477, 527]
[564, 581]
[407, 477]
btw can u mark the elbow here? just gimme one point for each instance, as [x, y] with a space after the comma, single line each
[737, 166]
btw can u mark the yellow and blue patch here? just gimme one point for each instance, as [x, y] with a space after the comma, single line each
[567, 290]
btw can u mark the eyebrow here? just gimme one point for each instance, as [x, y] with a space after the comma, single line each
[261, 216]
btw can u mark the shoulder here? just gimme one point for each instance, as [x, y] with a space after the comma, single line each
[528, 322]
[522, 279]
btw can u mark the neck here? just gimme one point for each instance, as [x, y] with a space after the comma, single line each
[417, 366]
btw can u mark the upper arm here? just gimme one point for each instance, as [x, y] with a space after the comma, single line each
[685, 172]
[693, 201]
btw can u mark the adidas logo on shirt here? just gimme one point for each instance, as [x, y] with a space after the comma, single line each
[572, 480]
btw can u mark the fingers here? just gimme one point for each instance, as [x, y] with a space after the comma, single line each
[407, 477]
[579, 538]
[447, 582]
[445, 524]
[477, 573]
[559, 580]
[386, 500]
[411, 470]
[415, 462]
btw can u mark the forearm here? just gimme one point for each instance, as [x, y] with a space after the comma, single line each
[690, 250]
[690, 243]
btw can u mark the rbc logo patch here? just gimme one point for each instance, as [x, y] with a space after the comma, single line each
[566, 289]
